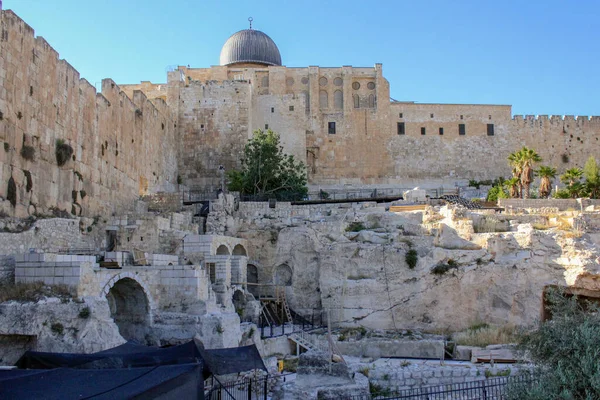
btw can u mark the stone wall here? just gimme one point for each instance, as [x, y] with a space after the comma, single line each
[397, 374]
[122, 146]
[560, 204]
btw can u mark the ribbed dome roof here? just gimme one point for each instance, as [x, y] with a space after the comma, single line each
[250, 46]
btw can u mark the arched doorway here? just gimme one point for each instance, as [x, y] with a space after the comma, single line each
[130, 309]
[283, 275]
[252, 279]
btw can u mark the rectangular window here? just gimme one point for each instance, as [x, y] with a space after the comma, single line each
[441, 131]
[461, 129]
[461, 117]
[490, 129]
[272, 109]
[422, 130]
[401, 128]
[291, 108]
[400, 115]
[212, 272]
[331, 128]
[201, 126]
[431, 115]
[266, 126]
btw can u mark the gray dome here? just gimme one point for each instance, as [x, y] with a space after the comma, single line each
[250, 46]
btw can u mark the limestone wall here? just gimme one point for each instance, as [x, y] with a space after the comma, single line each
[122, 146]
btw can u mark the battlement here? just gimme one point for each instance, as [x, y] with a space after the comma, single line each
[579, 120]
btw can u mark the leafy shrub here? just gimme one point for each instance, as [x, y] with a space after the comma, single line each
[57, 328]
[411, 258]
[63, 152]
[355, 227]
[442, 268]
[28, 152]
[84, 313]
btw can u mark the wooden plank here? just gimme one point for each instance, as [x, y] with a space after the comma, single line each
[498, 356]
[417, 207]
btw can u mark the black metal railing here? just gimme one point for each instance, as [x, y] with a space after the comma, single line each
[316, 320]
[488, 389]
[260, 388]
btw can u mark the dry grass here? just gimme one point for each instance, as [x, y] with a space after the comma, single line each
[34, 292]
[482, 335]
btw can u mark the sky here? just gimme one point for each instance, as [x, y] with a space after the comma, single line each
[542, 57]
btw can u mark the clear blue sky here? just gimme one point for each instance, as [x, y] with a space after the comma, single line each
[543, 57]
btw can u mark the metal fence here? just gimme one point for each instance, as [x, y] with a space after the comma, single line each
[260, 388]
[488, 389]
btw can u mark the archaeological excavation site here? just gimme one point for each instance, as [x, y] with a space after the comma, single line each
[143, 256]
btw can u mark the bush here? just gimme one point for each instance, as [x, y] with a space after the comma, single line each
[57, 328]
[442, 268]
[84, 313]
[564, 349]
[28, 152]
[355, 227]
[63, 152]
[411, 258]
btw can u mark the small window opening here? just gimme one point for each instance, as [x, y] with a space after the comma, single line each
[490, 129]
[201, 126]
[272, 109]
[422, 130]
[331, 128]
[31, 90]
[431, 115]
[401, 128]
[461, 129]
[291, 108]
[441, 131]
[489, 117]
[266, 126]
[212, 272]
[141, 238]
[400, 115]
[461, 117]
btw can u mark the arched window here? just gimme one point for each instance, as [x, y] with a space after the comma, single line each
[222, 250]
[371, 101]
[265, 81]
[323, 101]
[239, 250]
[356, 101]
[338, 99]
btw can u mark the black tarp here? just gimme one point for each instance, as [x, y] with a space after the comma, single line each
[161, 382]
[233, 360]
[128, 355]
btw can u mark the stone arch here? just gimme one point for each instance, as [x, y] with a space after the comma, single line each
[356, 99]
[252, 279]
[130, 304]
[338, 99]
[323, 100]
[239, 250]
[283, 275]
[223, 250]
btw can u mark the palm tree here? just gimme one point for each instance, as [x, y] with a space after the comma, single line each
[513, 184]
[571, 178]
[515, 162]
[546, 174]
[528, 158]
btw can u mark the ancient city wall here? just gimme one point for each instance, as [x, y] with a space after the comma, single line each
[122, 146]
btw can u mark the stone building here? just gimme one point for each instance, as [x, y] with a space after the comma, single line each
[131, 140]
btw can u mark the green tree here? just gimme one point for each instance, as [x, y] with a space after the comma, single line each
[516, 165]
[572, 178]
[565, 351]
[546, 174]
[267, 171]
[591, 172]
[528, 158]
[514, 186]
